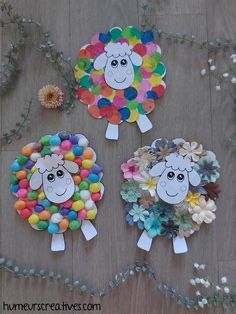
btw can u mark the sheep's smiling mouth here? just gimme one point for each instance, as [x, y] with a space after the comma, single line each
[171, 195]
[120, 81]
[62, 193]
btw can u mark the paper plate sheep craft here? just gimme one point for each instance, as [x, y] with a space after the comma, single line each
[120, 77]
[170, 190]
[57, 183]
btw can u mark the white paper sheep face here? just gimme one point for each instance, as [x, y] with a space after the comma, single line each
[118, 60]
[176, 173]
[54, 174]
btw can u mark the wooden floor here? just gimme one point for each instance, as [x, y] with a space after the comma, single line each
[191, 109]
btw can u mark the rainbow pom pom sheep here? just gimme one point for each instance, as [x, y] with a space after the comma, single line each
[57, 183]
[120, 77]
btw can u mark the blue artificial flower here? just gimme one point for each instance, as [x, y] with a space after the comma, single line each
[130, 191]
[208, 168]
[153, 226]
[138, 213]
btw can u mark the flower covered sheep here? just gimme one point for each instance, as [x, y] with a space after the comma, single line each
[57, 183]
[120, 76]
[170, 190]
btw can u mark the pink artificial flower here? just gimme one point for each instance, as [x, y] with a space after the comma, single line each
[130, 170]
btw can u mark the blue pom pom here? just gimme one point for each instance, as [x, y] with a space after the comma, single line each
[14, 188]
[105, 38]
[55, 140]
[151, 94]
[93, 177]
[130, 93]
[77, 150]
[15, 166]
[45, 203]
[74, 139]
[147, 37]
[53, 228]
[38, 208]
[103, 102]
[125, 113]
[72, 215]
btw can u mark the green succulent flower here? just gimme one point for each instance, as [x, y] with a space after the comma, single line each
[130, 191]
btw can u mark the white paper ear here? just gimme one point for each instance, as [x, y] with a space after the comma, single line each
[36, 180]
[158, 169]
[136, 58]
[71, 166]
[100, 61]
[194, 178]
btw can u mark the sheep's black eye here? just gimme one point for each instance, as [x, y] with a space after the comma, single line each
[60, 173]
[51, 177]
[114, 63]
[180, 177]
[123, 62]
[170, 175]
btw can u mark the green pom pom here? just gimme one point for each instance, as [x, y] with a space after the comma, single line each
[84, 185]
[160, 69]
[45, 140]
[138, 76]
[21, 159]
[53, 209]
[74, 225]
[85, 81]
[140, 109]
[42, 225]
[95, 90]
[46, 151]
[76, 196]
[136, 32]
[127, 33]
[84, 63]
[13, 179]
[157, 57]
[33, 195]
[132, 104]
[115, 34]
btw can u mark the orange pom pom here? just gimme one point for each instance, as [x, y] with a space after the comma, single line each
[44, 215]
[77, 179]
[63, 224]
[88, 154]
[22, 174]
[27, 150]
[19, 205]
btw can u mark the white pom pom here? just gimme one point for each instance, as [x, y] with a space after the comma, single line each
[35, 156]
[89, 204]
[83, 141]
[85, 195]
[56, 218]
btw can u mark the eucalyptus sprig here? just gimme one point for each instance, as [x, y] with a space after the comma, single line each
[16, 132]
[196, 302]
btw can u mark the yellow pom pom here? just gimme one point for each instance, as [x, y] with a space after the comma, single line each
[135, 84]
[41, 196]
[87, 163]
[91, 214]
[155, 79]
[69, 156]
[133, 41]
[33, 169]
[134, 115]
[33, 219]
[78, 205]
[78, 72]
[94, 187]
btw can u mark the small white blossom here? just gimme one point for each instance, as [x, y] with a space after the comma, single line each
[218, 288]
[218, 87]
[202, 266]
[210, 61]
[207, 284]
[233, 56]
[202, 281]
[197, 280]
[212, 67]
[225, 75]
[223, 279]
[204, 301]
[233, 80]
[234, 60]
[192, 282]
[196, 265]
[203, 72]
[198, 293]
[226, 290]
[201, 304]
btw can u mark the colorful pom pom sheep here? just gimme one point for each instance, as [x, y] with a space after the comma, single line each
[57, 183]
[120, 77]
[170, 190]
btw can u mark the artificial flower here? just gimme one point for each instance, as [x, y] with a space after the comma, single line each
[146, 200]
[165, 143]
[204, 212]
[192, 150]
[153, 226]
[130, 170]
[130, 191]
[212, 190]
[148, 183]
[163, 211]
[208, 168]
[192, 199]
[129, 218]
[143, 158]
[138, 213]
[50, 96]
[184, 220]
[169, 229]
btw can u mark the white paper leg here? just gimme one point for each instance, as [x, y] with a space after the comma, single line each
[144, 241]
[88, 230]
[144, 123]
[180, 245]
[112, 132]
[58, 243]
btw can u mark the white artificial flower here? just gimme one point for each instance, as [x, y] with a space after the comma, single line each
[204, 301]
[212, 67]
[223, 279]
[210, 61]
[198, 293]
[203, 72]
[234, 60]
[197, 280]
[233, 56]
[202, 281]
[196, 265]
[226, 290]
[201, 304]
[192, 282]
[207, 284]
[225, 75]
[218, 288]
[218, 87]
[233, 80]
[202, 266]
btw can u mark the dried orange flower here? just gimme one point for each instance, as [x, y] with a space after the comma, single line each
[50, 96]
